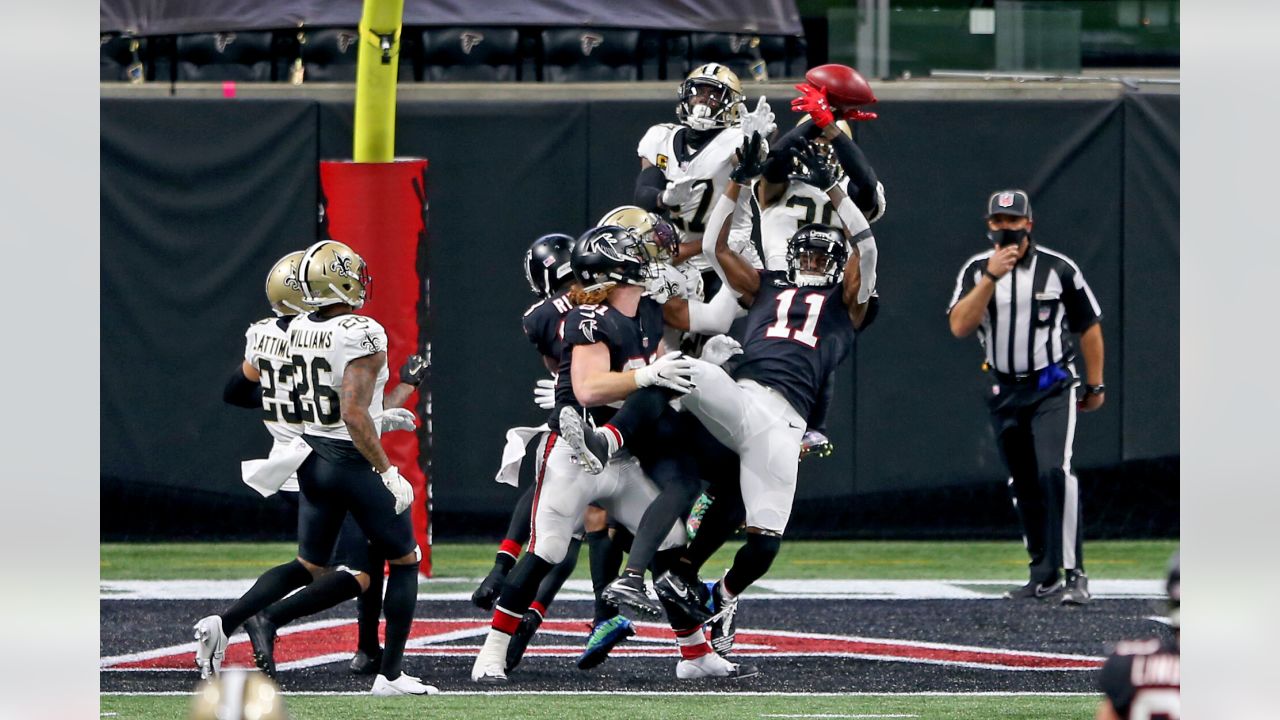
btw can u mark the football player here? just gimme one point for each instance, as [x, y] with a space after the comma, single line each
[684, 167]
[339, 361]
[1142, 679]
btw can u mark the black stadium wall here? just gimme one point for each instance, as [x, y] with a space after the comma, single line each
[200, 196]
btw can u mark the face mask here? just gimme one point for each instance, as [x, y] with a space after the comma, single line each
[1007, 237]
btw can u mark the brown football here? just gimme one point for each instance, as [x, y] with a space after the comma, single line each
[846, 88]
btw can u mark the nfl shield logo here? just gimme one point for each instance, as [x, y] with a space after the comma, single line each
[1044, 312]
[548, 261]
[1005, 200]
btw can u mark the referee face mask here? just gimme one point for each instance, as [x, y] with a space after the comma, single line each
[1007, 236]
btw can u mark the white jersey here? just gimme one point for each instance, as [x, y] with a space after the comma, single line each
[798, 206]
[712, 164]
[321, 350]
[266, 347]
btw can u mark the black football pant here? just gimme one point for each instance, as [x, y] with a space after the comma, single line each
[1035, 430]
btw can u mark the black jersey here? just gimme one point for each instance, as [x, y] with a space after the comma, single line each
[794, 338]
[1142, 680]
[542, 321]
[632, 342]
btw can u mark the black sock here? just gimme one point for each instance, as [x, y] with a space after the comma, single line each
[555, 579]
[322, 594]
[399, 604]
[600, 553]
[504, 561]
[640, 410]
[518, 527]
[270, 587]
[752, 561]
[368, 612]
[522, 583]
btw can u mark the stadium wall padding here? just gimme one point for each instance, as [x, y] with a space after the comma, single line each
[200, 196]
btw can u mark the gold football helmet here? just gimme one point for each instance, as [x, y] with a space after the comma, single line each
[660, 237]
[238, 695]
[710, 97]
[284, 290]
[333, 273]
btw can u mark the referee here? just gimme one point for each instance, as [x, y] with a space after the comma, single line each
[1026, 301]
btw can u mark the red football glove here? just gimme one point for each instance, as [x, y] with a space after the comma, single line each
[854, 114]
[813, 100]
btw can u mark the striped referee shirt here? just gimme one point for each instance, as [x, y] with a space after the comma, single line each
[1044, 294]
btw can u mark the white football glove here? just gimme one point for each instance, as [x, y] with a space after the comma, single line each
[719, 349]
[673, 371]
[867, 256]
[395, 419]
[399, 488]
[665, 284]
[679, 192]
[544, 393]
[760, 120]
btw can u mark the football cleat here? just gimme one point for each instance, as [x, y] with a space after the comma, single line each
[1035, 590]
[262, 636]
[712, 665]
[604, 637]
[591, 449]
[211, 645]
[404, 685]
[366, 663]
[629, 591]
[724, 621]
[487, 594]
[1076, 590]
[529, 625]
[815, 445]
[674, 590]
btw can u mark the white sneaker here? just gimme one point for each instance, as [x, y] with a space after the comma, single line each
[491, 664]
[403, 685]
[712, 665]
[211, 645]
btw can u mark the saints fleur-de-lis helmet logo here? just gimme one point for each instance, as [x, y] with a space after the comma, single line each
[333, 273]
[284, 290]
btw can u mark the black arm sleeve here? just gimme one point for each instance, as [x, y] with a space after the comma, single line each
[818, 412]
[873, 311]
[649, 185]
[778, 165]
[861, 175]
[242, 392]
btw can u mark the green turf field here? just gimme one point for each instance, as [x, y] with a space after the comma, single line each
[594, 707]
[820, 559]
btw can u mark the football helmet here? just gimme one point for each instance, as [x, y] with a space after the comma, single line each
[660, 237]
[333, 273]
[1173, 586]
[718, 95]
[816, 256]
[609, 255]
[284, 290]
[825, 151]
[546, 264]
[238, 695]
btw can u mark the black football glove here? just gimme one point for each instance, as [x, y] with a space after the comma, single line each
[750, 161]
[814, 169]
[414, 370]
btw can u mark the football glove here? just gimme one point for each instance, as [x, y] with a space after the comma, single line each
[666, 283]
[750, 160]
[399, 488]
[760, 120]
[719, 349]
[854, 115]
[395, 419]
[679, 192]
[672, 371]
[817, 172]
[544, 393]
[413, 370]
[813, 100]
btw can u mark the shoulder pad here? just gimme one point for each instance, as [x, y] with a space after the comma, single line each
[650, 146]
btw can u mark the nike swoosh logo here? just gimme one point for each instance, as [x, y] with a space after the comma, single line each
[682, 592]
[794, 427]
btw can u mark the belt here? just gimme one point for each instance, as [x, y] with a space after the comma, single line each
[1017, 378]
[1034, 377]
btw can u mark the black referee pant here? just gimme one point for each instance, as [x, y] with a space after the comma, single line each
[1035, 429]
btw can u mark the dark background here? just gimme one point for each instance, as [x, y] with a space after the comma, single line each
[199, 197]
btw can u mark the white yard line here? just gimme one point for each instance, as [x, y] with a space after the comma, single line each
[649, 693]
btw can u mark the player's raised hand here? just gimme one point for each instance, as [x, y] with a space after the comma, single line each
[399, 488]
[665, 284]
[413, 370]
[395, 419]
[679, 192]
[544, 393]
[856, 115]
[673, 371]
[750, 160]
[719, 349]
[760, 120]
[1002, 260]
[816, 170]
[813, 100]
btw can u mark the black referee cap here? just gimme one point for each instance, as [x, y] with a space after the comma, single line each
[1009, 202]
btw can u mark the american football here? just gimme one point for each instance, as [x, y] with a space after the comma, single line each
[846, 88]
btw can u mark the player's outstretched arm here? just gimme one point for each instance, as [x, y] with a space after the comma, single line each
[852, 286]
[357, 392]
[412, 374]
[595, 384]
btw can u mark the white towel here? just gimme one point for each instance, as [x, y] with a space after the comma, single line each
[513, 453]
[269, 475]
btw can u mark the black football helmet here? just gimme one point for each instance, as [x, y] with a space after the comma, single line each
[546, 264]
[608, 255]
[816, 256]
